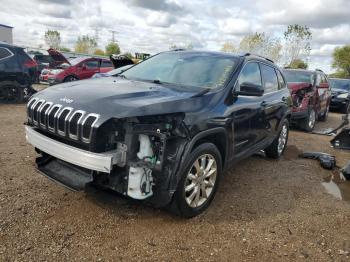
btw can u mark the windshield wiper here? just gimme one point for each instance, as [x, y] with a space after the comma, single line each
[202, 92]
[157, 81]
[122, 76]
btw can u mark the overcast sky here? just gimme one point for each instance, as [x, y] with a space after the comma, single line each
[154, 25]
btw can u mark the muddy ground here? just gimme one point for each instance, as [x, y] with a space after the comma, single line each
[265, 210]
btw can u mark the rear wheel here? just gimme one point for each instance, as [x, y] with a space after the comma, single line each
[276, 149]
[309, 122]
[11, 93]
[324, 116]
[70, 79]
[199, 181]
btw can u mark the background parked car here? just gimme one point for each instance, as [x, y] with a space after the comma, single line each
[81, 68]
[51, 60]
[17, 73]
[113, 72]
[340, 94]
[311, 96]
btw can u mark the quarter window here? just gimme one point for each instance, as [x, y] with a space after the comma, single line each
[4, 53]
[250, 74]
[92, 64]
[270, 78]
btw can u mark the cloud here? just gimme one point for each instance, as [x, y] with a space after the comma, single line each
[55, 10]
[158, 5]
[160, 20]
[236, 26]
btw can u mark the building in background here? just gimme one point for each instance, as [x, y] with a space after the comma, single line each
[6, 34]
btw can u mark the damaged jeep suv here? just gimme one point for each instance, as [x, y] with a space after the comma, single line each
[164, 130]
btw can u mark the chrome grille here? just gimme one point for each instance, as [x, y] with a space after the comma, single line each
[64, 121]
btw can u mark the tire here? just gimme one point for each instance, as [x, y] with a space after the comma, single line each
[346, 108]
[11, 92]
[324, 116]
[182, 204]
[308, 124]
[70, 79]
[276, 149]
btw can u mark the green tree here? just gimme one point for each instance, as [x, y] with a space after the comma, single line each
[298, 64]
[112, 48]
[341, 60]
[297, 43]
[261, 44]
[228, 47]
[53, 39]
[85, 44]
[64, 49]
[129, 55]
[99, 52]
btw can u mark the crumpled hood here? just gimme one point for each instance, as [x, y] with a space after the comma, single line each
[296, 86]
[117, 97]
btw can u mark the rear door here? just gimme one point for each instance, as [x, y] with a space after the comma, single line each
[272, 105]
[106, 66]
[89, 68]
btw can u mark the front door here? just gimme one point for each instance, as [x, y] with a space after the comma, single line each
[89, 68]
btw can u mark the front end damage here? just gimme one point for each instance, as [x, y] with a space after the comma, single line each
[302, 95]
[138, 157]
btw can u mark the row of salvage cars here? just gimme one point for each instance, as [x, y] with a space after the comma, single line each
[164, 130]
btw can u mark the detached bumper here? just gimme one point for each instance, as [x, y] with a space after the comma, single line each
[102, 162]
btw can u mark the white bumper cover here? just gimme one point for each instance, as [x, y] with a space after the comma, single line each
[102, 162]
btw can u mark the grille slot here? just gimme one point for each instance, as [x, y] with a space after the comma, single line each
[74, 122]
[52, 116]
[43, 114]
[29, 108]
[35, 112]
[87, 125]
[62, 120]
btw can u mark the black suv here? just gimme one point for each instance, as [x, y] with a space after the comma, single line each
[17, 73]
[164, 130]
[340, 94]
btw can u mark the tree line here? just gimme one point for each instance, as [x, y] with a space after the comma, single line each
[85, 44]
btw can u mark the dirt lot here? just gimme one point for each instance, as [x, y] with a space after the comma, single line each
[265, 210]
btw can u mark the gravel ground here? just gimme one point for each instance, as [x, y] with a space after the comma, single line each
[264, 211]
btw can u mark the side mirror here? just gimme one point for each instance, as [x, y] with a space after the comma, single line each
[250, 89]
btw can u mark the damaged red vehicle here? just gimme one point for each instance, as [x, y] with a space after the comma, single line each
[311, 96]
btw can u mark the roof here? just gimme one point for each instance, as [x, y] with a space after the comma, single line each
[6, 26]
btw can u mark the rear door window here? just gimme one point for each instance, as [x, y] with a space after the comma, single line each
[270, 78]
[281, 82]
[92, 64]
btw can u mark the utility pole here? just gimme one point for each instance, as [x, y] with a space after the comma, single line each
[96, 34]
[113, 35]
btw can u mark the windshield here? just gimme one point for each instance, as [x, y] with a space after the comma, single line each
[77, 60]
[340, 84]
[299, 76]
[185, 69]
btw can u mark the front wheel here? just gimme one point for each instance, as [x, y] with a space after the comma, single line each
[199, 181]
[276, 149]
[309, 122]
[70, 79]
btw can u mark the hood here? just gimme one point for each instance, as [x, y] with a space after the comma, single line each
[57, 56]
[296, 86]
[339, 91]
[120, 60]
[120, 98]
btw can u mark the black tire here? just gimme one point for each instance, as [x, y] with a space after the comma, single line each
[11, 92]
[179, 204]
[70, 79]
[324, 116]
[307, 123]
[346, 108]
[274, 150]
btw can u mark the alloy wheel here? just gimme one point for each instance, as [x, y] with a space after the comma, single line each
[312, 118]
[200, 180]
[282, 139]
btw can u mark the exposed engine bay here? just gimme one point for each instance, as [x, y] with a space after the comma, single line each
[146, 152]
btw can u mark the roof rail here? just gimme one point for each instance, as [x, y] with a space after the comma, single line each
[268, 59]
[178, 49]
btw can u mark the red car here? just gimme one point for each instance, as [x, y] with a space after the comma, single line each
[311, 96]
[80, 68]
